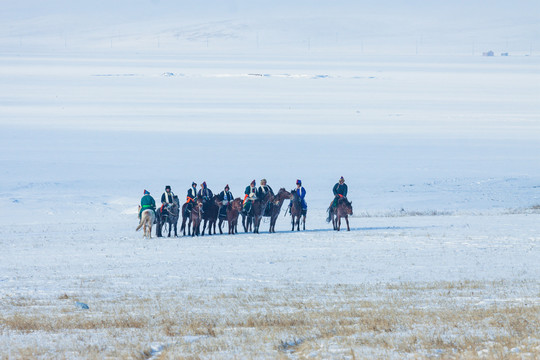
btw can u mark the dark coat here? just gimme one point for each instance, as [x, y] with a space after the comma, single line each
[263, 190]
[191, 194]
[222, 194]
[340, 189]
[206, 193]
[164, 198]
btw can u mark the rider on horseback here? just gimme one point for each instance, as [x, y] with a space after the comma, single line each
[262, 191]
[206, 195]
[250, 196]
[166, 199]
[190, 198]
[147, 203]
[340, 191]
[301, 192]
[225, 197]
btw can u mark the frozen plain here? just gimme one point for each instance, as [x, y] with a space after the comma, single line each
[441, 156]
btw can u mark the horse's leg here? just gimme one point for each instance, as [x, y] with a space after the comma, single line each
[304, 222]
[339, 223]
[347, 219]
[292, 221]
[203, 227]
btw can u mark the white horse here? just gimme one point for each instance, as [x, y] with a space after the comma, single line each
[147, 220]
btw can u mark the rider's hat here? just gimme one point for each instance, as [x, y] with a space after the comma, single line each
[253, 182]
[342, 179]
[168, 187]
[263, 180]
[146, 192]
[298, 182]
[194, 183]
[227, 186]
[203, 184]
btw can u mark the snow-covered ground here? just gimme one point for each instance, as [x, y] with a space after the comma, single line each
[440, 152]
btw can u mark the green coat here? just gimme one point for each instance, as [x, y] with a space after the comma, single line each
[147, 202]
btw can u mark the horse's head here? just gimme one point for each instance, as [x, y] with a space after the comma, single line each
[347, 206]
[237, 204]
[283, 194]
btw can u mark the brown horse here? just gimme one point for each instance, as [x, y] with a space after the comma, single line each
[296, 211]
[195, 217]
[210, 215]
[233, 211]
[275, 207]
[343, 210]
[258, 207]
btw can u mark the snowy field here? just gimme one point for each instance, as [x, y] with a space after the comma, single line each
[441, 261]
[440, 150]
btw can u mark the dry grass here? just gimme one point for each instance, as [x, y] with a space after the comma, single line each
[444, 319]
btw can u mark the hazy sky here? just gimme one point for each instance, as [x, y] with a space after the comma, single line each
[458, 21]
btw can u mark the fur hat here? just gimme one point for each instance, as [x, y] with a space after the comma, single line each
[194, 184]
[342, 179]
[168, 187]
[203, 185]
[263, 180]
[298, 182]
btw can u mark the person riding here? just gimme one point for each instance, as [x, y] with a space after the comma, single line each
[147, 203]
[166, 199]
[262, 191]
[190, 198]
[225, 197]
[206, 195]
[250, 195]
[301, 192]
[340, 191]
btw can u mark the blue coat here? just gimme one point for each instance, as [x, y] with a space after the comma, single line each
[301, 192]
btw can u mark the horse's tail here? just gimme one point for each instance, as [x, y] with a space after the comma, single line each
[144, 220]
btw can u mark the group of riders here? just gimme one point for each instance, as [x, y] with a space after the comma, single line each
[251, 193]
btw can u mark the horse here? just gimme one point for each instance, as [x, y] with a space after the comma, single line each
[343, 210]
[247, 219]
[275, 207]
[258, 207]
[233, 210]
[195, 217]
[147, 220]
[169, 219]
[297, 212]
[210, 215]
[186, 217]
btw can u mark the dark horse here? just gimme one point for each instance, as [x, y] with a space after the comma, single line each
[210, 215]
[168, 219]
[297, 212]
[186, 217]
[342, 210]
[256, 213]
[233, 211]
[195, 217]
[275, 207]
